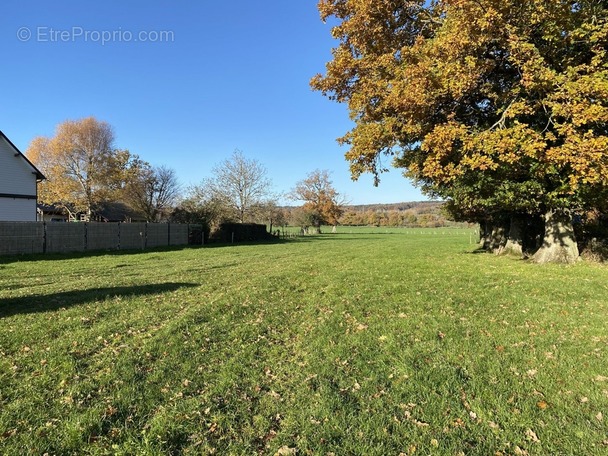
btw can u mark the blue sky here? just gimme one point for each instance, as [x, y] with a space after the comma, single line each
[184, 84]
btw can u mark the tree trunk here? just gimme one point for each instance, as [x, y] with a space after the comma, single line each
[559, 244]
[485, 231]
[514, 245]
[498, 239]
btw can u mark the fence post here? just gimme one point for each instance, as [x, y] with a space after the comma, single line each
[168, 234]
[118, 247]
[86, 236]
[43, 237]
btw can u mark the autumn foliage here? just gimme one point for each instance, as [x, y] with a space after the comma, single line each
[499, 106]
[322, 202]
[84, 170]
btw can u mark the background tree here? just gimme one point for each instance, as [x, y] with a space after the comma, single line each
[239, 185]
[152, 190]
[500, 106]
[271, 214]
[321, 200]
[202, 205]
[78, 163]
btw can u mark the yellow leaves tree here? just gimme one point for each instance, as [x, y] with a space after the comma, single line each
[500, 106]
[78, 162]
[82, 167]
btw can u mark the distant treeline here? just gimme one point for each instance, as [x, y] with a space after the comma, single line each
[419, 214]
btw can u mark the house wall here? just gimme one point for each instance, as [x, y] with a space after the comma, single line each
[17, 210]
[16, 178]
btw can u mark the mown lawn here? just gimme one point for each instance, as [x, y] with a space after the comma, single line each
[347, 344]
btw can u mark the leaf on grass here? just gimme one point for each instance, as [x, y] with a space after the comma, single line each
[8, 434]
[542, 405]
[531, 435]
[286, 451]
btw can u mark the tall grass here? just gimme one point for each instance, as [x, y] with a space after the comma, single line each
[359, 343]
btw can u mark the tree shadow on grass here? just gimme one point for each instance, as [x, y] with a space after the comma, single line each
[65, 299]
[8, 259]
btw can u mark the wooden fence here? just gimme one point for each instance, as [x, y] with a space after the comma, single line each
[55, 237]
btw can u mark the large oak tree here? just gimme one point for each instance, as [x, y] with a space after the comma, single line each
[500, 106]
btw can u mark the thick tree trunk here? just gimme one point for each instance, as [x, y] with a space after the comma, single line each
[559, 244]
[498, 239]
[514, 245]
[484, 235]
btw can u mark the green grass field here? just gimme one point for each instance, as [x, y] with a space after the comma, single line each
[357, 343]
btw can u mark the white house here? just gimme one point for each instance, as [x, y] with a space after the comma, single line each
[18, 179]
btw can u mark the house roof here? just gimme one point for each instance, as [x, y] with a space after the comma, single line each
[39, 175]
[118, 211]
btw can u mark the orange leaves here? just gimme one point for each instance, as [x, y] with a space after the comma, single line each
[475, 95]
[542, 405]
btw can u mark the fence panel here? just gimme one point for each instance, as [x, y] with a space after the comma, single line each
[42, 237]
[158, 235]
[102, 236]
[21, 238]
[132, 236]
[65, 237]
[178, 234]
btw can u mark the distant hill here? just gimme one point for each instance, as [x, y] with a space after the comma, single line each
[412, 214]
[403, 206]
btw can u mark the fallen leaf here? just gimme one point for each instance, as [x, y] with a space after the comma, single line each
[599, 416]
[286, 451]
[531, 435]
[542, 405]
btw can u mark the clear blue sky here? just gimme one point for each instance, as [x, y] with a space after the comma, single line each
[184, 84]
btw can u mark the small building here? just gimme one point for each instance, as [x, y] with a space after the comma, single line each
[52, 213]
[18, 184]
